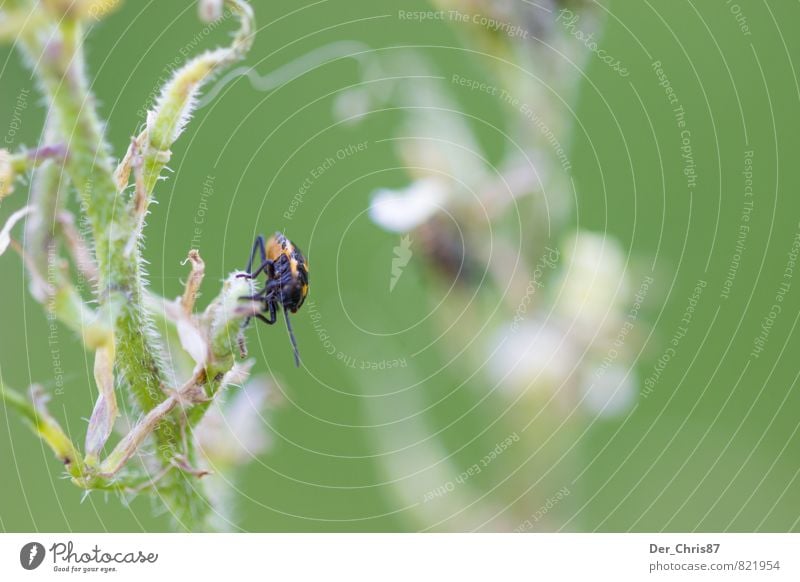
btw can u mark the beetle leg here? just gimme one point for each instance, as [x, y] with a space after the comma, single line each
[291, 338]
[268, 266]
[273, 317]
[258, 245]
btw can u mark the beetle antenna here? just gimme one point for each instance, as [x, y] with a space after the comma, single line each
[291, 337]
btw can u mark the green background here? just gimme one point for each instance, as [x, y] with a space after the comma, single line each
[714, 447]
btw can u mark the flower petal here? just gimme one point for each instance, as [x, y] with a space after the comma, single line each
[404, 210]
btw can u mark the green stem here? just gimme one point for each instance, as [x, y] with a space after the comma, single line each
[175, 104]
[49, 284]
[47, 428]
[227, 314]
[116, 221]
[89, 166]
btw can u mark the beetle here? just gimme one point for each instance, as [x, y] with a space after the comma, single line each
[286, 285]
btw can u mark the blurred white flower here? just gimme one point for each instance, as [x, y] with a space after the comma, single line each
[6, 174]
[233, 433]
[443, 145]
[609, 392]
[404, 210]
[350, 106]
[594, 283]
[531, 357]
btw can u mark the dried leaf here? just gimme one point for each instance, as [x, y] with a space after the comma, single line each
[194, 281]
[192, 341]
[105, 410]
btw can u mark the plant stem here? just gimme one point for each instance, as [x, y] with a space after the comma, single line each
[128, 340]
[60, 63]
[46, 427]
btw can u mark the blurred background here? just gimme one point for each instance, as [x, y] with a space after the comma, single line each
[546, 246]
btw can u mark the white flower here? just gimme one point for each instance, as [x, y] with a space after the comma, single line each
[594, 282]
[6, 174]
[531, 357]
[609, 392]
[404, 210]
[235, 432]
[351, 106]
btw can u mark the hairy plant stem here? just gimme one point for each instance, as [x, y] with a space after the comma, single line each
[128, 350]
[49, 284]
[226, 315]
[119, 276]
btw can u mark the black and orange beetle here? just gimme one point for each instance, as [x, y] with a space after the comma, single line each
[287, 280]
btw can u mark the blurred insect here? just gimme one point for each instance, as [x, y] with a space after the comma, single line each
[287, 280]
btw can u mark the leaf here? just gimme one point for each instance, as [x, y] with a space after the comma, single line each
[192, 341]
[105, 409]
[35, 413]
